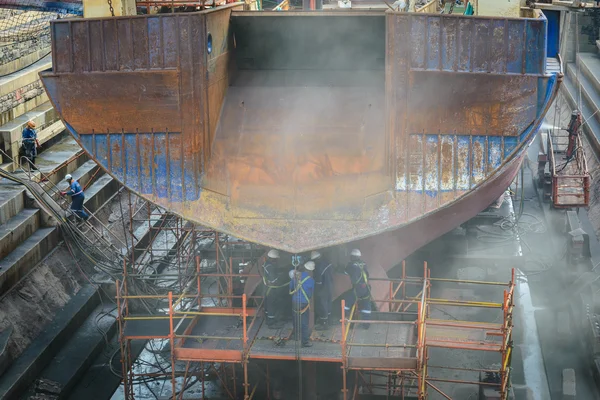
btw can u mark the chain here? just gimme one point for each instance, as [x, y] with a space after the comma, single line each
[110, 7]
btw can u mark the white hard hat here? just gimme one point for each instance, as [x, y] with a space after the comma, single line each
[291, 274]
[68, 177]
[355, 253]
[314, 254]
[273, 253]
[309, 266]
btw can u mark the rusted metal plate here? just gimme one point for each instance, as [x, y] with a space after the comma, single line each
[96, 103]
[471, 104]
[460, 43]
[304, 130]
[280, 152]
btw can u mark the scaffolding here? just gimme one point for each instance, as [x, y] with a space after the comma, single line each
[221, 333]
[167, 268]
[562, 166]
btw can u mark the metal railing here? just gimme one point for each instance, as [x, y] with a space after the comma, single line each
[570, 180]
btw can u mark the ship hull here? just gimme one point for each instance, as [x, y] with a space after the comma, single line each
[383, 252]
[255, 125]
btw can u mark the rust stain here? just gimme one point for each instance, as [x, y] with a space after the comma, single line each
[478, 162]
[287, 131]
[447, 163]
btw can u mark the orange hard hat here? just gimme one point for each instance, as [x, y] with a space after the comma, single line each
[31, 124]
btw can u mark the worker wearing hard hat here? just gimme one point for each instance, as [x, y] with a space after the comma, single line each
[77, 197]
[276, 280]
[29, 143]
[323, 277]
[361, 292]
[302, 286]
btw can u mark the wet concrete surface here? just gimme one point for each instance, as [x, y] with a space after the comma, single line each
[486, 248]
[64, 149]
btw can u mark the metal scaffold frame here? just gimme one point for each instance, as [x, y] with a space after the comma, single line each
[145, 305]
[406, 376]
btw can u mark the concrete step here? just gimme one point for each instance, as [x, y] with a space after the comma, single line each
[588, 89]
[18, 52]
[592, 126]
[23, 371]
[146, 233]
[35, 98]
[588, 62]
[18, 58]
[26, 256]
[68, 366]
[83, 175]
[21, 79]
[590, 68]
[7, 166]
[17, 229]
[99, 192]
[22, 91]
[99, 382]
[64, 157]
[12, 201]
[47, 123]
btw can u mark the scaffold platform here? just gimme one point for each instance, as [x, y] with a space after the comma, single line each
[395, 347]
[221, 338]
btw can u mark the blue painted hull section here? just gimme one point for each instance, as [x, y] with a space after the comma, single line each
[305, 145]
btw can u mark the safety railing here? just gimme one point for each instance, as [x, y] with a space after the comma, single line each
[184, 310]
[570, 180]
[400, 315]
[48, 196]
[493, 337]
[436, 332]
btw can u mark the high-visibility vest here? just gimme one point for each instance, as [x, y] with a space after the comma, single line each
[302, 289]
[270, 286]
[366, 279]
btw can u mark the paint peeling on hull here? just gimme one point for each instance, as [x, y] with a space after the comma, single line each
[305, 139]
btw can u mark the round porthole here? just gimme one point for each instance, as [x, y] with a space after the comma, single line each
[209, 44]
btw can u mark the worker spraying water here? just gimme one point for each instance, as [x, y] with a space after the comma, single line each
[573, 129]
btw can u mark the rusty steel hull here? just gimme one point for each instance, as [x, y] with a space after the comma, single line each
[382, 252]
[295, 131]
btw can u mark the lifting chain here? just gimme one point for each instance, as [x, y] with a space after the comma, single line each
[110, 7]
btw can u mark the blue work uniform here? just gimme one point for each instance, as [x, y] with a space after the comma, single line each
[29, 137]
[302, 291]
[77, 197]
[276, 280]
[323, 276]
[361, 293]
